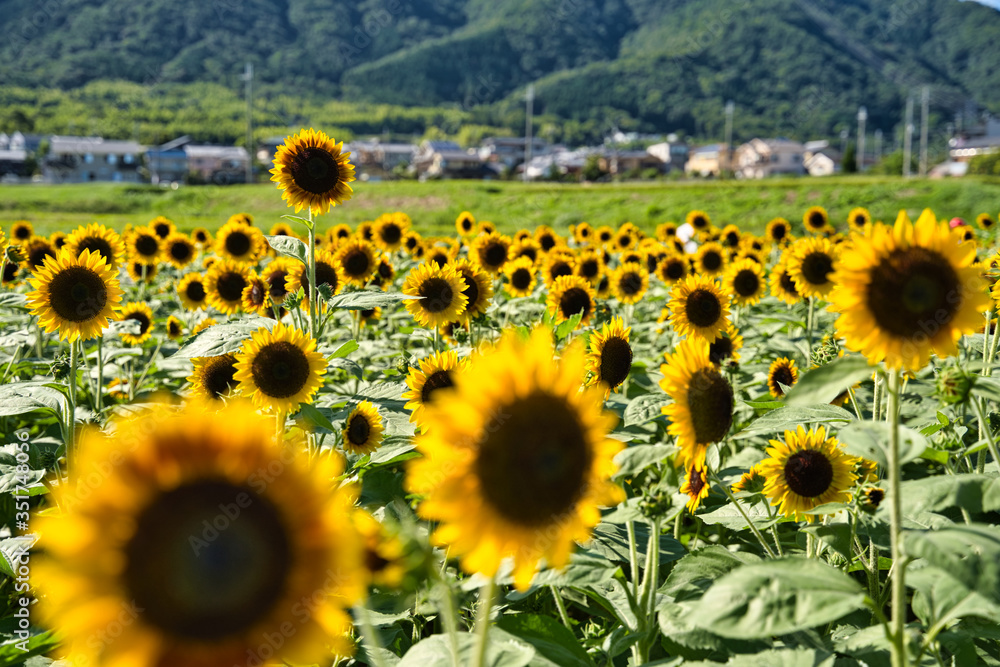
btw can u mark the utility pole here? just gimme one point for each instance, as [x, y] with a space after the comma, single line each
[878, 145]
[908, 138]
[529, 110]
[248, 78]
[730, 108]
[925, 99]
[860, 157]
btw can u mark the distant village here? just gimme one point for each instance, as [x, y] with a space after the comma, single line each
[69, 159]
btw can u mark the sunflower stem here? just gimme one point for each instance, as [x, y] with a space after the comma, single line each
[854, 403]
[753, 528]
[977, 405]
[777, 542]
[71, 417]
[313, 291]
[561, 606]
[99, 386]
[633, 558]
[450, 614]
[483, 620]
[898, 627]
[809, 331]
[373, 645]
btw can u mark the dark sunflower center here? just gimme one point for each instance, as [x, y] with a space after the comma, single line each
[816, 267]
[875, 496]
[530, 253]
[808, 473]
[385, 270]
[520, 278]
[367, 313]
[787, 283]
[95, 244]
[471, 291]
[913, 290]
[560, 268]
[142, 319]
[237, 244]
[603, 285]
[22, 232]
[173, 328]
[590, 268]
[624, 241]
[616, 361]
[575, 300]
[231, 286]
[782, 374]
[326, 275]
[195, 291]
[533, 465]
[433, 382]
[630, 283]
[699, 221]
[987, 222]
[276, 285]
[38, 253]
[720, 349]
[674, 269]
[746, 283]
[257, 293]
[200, 237]
[391, 233]
[147, 245]
[547, 241]
[696, 482]
[817, 220]
[732, 239]
[466, 224]
[218, 376]
[374, 562]
[180, 251]
[358, 430]
[711, 260]
[208, 560]
[779, 232]
[280, 369]
[438, 295]
[357, 263]
[605, 237]
[859, 220]
[703, 308]
[314, 170]
[162, 229]
[77, 294]
[494, 254]
[440, 258]
[710, 402]
[9, 271]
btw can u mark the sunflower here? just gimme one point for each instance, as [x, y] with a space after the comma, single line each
[75, 296]
[726, 348]
[279, 369]
[858, 219]
[141, 313]
[224, 284]
[213, 378]
[433, 373]
[968, 234]
[191, 291]
[254, 296]
[369, 315]
[907, 291]
[547, 238]
[479, 287]
[811, 265]
[805, 471]
[240, 243]
[465, 224]
[610, 358]
[589, 265]
[526, 485]
[142, 273]
[582, 233]
[816, 219]
[571, 295]
[244, 219]
[730, 236]
[282, 229]
[363, 430]
[696, 486]
[21, 231]
[487, 227]
[778, 231]
[384, 274]
[437, 255]
[636, 255]
[179, 250]
[389, 230]
[752, 481]
[625, 238]
[699, 308]
[201, 236]
[629, 282]
[490, 251]
[558, 264]
[162, 227]
[275, 275]
[782, 285]
[202, 325]
[702, 409]
[57, 239]
[666, 231]
[356, 260]
[525, 248]
[744, 280]
[36, 251]
[385, 558]
[144, 246]
[699, 220]
[338, 233]
[413, 243]
[520, 275]
[710, 259]
[985, 221]
[782, 372]
[313, 171]
[97, 238]
[672, 269]
[443, 294]
[175, 328]
[212, 561]
[328, 272]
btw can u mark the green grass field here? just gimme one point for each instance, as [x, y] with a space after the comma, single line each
[433, 206]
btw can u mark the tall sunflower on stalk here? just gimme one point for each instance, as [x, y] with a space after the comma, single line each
[206, 598]
[908, 291]
[528, 485]
[441, 291]
[701, 411]
[75, 296]
[313, 171]
[279, 369]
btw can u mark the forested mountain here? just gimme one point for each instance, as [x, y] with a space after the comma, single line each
[794, 67]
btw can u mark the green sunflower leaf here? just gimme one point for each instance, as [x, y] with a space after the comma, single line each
[969, 553]
[643, 408]
[870, 439]
[823, 384]
[549, 637]
[19, 398]
[223, 338]
[13, 300]
[368, 299]
[289, 246]
[776, 598]
[788, 418]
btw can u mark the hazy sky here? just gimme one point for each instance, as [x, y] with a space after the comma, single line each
[991, 3]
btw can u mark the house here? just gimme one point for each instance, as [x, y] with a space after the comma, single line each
[221, 165]
[706, 160]
[14, 161]
[445, 159]
[168, 163]
[88, 159]
[623, 162]
[379, 159]
[963, 150]
[821, 159]
[509, 151]
[673, 154]
[761, 158]
[558, 164]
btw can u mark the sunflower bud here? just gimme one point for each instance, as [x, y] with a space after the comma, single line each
[60, 367]
[871, 499]
[402, 364]
[953, 386]
[15, 255]
[292, 301]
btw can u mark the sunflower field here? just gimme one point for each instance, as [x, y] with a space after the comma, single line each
[335, 445]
